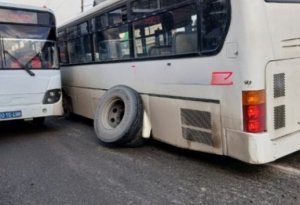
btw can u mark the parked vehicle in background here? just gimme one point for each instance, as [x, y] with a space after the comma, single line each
[217, 76]
[30, 82]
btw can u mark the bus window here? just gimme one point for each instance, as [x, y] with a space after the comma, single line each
[213, 24]
[62, 47]
[112, 44]
[100, 22]
[170, 33]
[142, 7]
[117, 16]
[184, 32]
[85, 42]
[144, 35]
[79, 49]
[31, 53]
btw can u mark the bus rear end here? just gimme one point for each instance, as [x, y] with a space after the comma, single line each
[30, 83]
[271, 94]
[283, 74]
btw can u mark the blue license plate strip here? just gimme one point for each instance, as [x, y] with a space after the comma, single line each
[10, 114]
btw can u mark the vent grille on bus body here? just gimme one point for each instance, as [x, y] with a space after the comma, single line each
[279, 91]
[279, 117]
[279, 85]
[196, 126]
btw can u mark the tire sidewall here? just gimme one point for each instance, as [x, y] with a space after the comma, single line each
[67, 106]
[131, 122]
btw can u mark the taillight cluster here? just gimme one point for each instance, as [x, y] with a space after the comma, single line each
[254, 109]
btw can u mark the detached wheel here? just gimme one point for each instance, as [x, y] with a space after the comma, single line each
[119, 117]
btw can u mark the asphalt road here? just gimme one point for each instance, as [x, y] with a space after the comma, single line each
[64, 163]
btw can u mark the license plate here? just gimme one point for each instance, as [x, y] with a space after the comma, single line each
[11, 114]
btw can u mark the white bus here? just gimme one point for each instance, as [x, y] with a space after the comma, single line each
[30, 82]
[217, 76]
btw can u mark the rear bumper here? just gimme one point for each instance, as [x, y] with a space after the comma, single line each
[259, 148]
[33, 111]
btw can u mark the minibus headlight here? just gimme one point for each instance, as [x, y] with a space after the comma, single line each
[52, 96]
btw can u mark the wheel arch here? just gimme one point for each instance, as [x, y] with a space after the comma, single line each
[147, 126]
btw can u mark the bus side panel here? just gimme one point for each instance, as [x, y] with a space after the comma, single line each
[193, 125]
[283, 24]
[283, 97]
[187, 124]
[82, 100]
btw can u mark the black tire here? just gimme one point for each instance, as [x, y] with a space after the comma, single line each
[67, 107]
[119, 117]
[138, 141]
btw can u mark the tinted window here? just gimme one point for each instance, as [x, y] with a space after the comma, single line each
[213, 26]
[46, 19]
[111, 18]
[72, 32]
[100, 22]
[79, 50]
[62, 47]
[79, 44]
[83, 28]
[117, 16]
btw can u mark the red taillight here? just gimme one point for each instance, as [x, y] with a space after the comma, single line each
[254, 109]
[254, 118]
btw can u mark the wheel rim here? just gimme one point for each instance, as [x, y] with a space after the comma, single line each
[114, 113]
